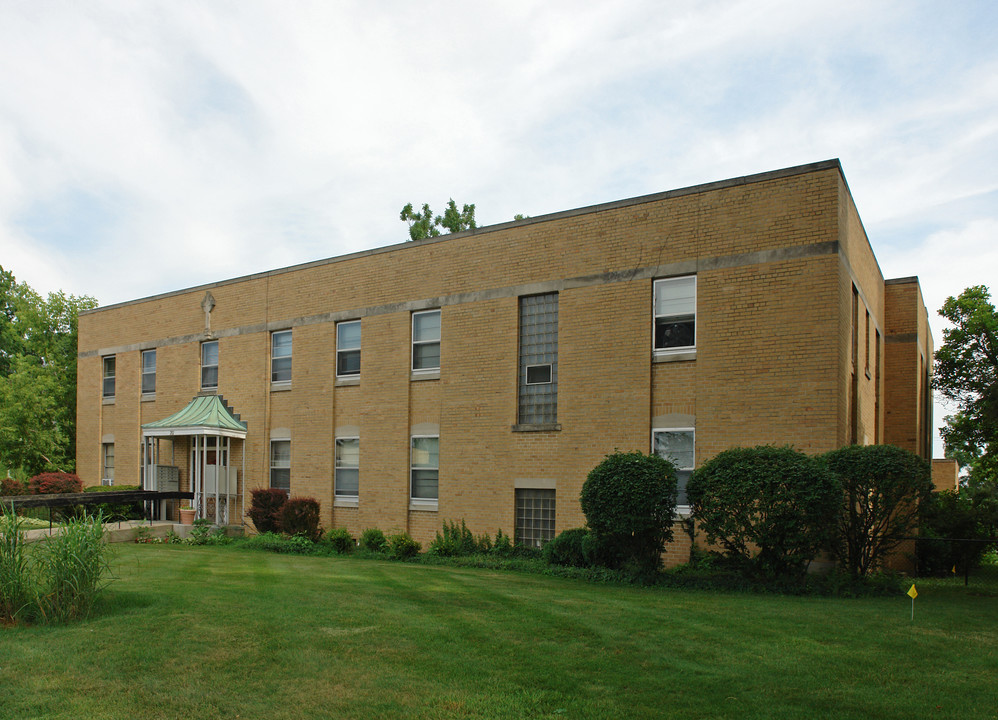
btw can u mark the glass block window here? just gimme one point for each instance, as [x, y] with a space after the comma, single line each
[538, 396]
[534, 516]
[425, 467]
[348, 348]
[676, 445]
[149, 371]
[426, 340]
[209, 365]
[280, 357]
[107, 389]
[347, 467]
[280, 464]
[676, 313]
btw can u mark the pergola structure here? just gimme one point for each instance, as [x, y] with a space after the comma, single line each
[211, 426]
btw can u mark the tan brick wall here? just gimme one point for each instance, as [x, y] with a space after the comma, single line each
[771, 363]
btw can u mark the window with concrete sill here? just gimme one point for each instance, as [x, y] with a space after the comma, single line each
[417, 375]
[675, 315]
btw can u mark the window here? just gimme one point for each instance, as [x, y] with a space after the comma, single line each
[677, 445]
[426, 340]
[538, 385]
[280, 464]
[148, 372]
[675, 313]
[209, 365]
[534, 516]
[107, 464]
[347, 467]
[348, 348]
[280, 357]
[108, 385]
[425, 467]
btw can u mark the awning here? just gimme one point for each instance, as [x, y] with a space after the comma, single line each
[204, 415]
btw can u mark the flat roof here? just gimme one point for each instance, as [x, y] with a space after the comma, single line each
[832, 164]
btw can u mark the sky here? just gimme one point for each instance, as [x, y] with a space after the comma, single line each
[151, 146]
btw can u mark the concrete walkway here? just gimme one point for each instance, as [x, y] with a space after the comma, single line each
[126, 531]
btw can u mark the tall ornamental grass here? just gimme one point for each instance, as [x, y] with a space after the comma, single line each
[16, 587]
[60, 578]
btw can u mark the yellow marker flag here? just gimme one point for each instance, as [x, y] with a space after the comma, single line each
[912, 592]
[954, 569]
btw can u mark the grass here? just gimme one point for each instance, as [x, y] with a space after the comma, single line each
[225, 632]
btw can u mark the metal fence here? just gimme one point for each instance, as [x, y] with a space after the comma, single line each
[962, 557]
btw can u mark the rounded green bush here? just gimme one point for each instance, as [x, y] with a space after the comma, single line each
[575, 547]
[775, 500]
[372, 540]
[629, 501]
[340, 539]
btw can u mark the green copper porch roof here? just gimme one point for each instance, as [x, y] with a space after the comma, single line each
[204, 412]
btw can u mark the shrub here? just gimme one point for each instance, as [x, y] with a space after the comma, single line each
[73, 564]
[265, 509]
[12, 486]
[55, 482]
[629, 501]
[300, 516]
[203, 533]
[776, 499]
[340, 539]
[401, 546]
[503, 546]
[373, 540]
[884, 490]
[15, 582]
[575, 547]
[455, 541]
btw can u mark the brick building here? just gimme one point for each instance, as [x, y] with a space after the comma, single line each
[481, 375]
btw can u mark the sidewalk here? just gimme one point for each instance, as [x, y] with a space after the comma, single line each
[121, 531]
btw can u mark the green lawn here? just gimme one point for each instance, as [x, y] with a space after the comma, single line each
[223, 632]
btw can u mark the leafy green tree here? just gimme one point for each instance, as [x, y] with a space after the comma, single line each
[770, 508]
[885, 488]
[423, 224]
[629, 501]
[38, 338]
[954, 530]
[966, 372]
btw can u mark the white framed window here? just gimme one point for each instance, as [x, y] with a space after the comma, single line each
[209, 365]
[426, 340]
[280, 464]
[107, 386]
[677, 445]
[148, 372]
[107, 464]
[424, 464]
[347, 467]
[675, 314]
[348, 348]
[280, 357]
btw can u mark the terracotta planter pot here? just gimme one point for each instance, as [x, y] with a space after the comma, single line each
[186, 516]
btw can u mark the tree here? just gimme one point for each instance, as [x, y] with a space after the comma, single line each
[37, 377]
[423, 224]
[776, 499]
[885, 488]
[629, 501]
[966, 372]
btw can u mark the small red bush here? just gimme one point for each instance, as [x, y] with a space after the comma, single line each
[300, 516]
[265, 509]
[55, 482]
[10, 486]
